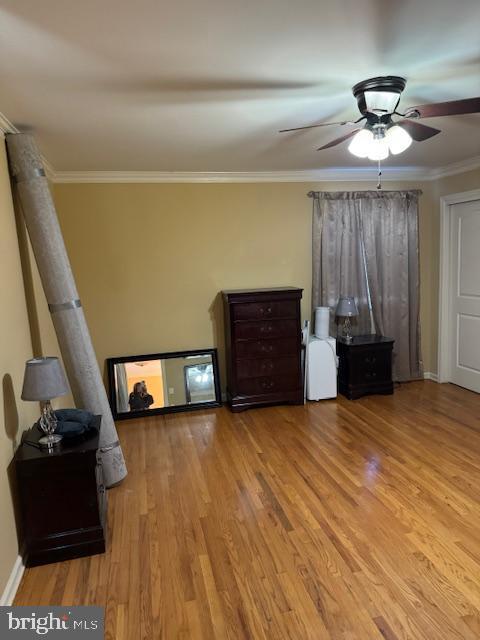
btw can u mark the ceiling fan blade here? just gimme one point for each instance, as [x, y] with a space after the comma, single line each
[323, 124]
[452, 108]
[333, 143]
[417, 130]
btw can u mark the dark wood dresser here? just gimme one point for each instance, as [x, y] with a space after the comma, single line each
[59, 498]
[365, 366]
[263, 347]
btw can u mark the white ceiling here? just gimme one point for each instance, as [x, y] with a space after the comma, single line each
[204, 85]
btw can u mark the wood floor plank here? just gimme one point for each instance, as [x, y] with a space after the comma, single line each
[336, 520]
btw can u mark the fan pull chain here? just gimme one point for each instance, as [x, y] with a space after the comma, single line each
[379, 183]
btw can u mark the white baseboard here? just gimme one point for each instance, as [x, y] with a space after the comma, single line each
[428, 375]
[10, 591]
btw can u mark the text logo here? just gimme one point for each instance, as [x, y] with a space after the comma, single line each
[25, 623]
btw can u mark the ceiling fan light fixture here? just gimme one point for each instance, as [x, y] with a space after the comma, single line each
[398, 139]
[378, 149]
[381, 101]
[379, 95]
[360, 144]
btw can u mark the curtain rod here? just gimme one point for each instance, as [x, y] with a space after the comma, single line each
[379, 193]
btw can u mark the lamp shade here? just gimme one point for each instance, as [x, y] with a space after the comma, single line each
[346, 307]
[44, 379]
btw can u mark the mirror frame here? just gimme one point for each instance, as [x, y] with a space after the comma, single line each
[111, 362]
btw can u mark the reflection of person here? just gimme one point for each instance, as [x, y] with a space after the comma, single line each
[140, 399]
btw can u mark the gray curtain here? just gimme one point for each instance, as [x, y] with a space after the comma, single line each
[390, 236]
[365, 244]
[338, 262]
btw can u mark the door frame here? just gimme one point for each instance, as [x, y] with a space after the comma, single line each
[444, 294]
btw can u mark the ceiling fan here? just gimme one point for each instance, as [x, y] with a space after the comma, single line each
[377, 100]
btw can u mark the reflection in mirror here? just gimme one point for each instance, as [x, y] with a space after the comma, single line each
[199, 383]
[163, 382]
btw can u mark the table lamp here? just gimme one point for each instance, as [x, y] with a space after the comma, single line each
[347, 309]
[44, 379]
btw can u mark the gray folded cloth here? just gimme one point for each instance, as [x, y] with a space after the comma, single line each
[66, 428]
[74, 415]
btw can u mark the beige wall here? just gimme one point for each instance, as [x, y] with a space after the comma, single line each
[150, 259]
[15, 349]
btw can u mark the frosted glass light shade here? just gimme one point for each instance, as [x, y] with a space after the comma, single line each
[378, 149]
[360, 144]
[383, 101]
[398, 139]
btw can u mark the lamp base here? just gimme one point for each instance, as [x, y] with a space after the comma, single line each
[50, 441]
[347, 328]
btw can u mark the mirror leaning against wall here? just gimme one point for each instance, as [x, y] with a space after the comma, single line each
[163, 383]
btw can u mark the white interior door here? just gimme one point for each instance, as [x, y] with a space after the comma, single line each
[465, 295]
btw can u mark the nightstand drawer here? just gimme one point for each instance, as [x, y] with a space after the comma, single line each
[269, 329]
[375, 365]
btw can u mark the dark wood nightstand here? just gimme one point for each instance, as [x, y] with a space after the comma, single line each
[365, 366]
[59, 498]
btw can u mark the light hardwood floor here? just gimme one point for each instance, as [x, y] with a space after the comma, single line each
[337, 520]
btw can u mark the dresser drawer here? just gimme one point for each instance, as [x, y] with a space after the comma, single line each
[268, 329]
[268, 385]
[262, 348]
[261, 310]
[267, 367]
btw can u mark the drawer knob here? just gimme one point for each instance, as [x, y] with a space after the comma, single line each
[370, 359]
[268, 384]
[266, 347]
[266, 329]
[266, 311]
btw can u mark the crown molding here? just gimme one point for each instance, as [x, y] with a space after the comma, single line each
[6, 126]
[463, 166]
[49, 170]
[332, 174]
